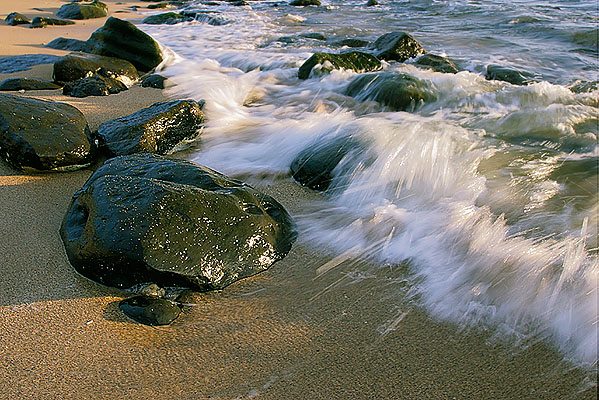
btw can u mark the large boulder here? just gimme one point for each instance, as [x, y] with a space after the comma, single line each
[513, 76]
[437, 63]
[148, 218]
[156, 129]
[399, 92]
[397, 46]
[121, 39]
[14, 18]
[95, 9]
[355, 61]
[14, 84]
[93, 86]
[43, 135]
[76, 66]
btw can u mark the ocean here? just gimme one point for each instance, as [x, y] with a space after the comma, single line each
[487, 193]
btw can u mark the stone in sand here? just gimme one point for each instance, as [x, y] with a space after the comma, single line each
[149, 218]
[62, 43]
[93, 86]
[513, 76]
[76, 66]
[95, 9]
[397, 46]
[355, 61]
[150, 310]
[153, 81]
[41, 22]
[43, 135]
[156, 129]
[27, 84]
[437, 63]
[14, 18]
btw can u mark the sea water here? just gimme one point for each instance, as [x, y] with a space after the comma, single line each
[488, 193]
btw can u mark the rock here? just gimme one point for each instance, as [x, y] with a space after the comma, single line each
[355, 61]
[169, 18]
[27, 84]
[93, 86]
[150, 310]
[397, 46]
[14, 18]
[371, 3]
[437, 63]
[40, 22]
[313, 35]
[159, 5]
[515, 77]
[399, 92]
[154, 81]
[43, 135]
[149, 218]
[314, 166]
[351, 43]
[62, 43]
[239, 3]
[205, 17]
[156, 129]
[75, 66]
[95, 9]
[584, 86]
[305, 3]
[121, 39]
[24, 62]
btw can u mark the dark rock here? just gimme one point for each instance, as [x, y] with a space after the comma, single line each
[314, 166]
[355, 61]
[14, 18]
[27, 84]
[121, 39]
[239, 3]
[399, 92]
[169, 18]
[584, 86]
[62, 43]
[437, 63]
[371, 3]
[43, 135]
[156, 129]
[156, 6]
[513, 76]
[24, 62]
[95, 9]
[150, 310]
[351, 43]
[40, 22]
[286, 39]
[149, 218]
[154, 81]
[305, 3]
[93, 86]
[75, 66]
[313, 35]
[397, 46]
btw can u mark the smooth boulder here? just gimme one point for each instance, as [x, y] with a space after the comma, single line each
[62, 43]
[156, 129]
[305, 3]
[76, 66]
[397, 46]
[14, 18]
[95, 9]
[153, 81]
[513, 76]
[169, 18]
[41, 22]
[13, 84]
[437, 63]
[43, 135]
[355, 61]
[93, 86]
[150, 310]
[149, 218]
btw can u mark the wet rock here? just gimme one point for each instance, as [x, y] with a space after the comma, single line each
[437, 63]
[313, 35]
[76, 66]
[397, 46]
[24, 62]
[162, 5]
[150, 310]
[205, 17]
[305, 3]
[62, 43]
[40, 22]
[121, 39]
[93, 86]
[43, 135]
[14, 18]
[169, 18]
[371, 3]
[584, 86]
[399, 92]
[513, 76]
[149, 218]
[355, 61]
[239, 3]
[314, 166]
[95, 9]
[156, 129]
[27, 84]
[351, 43]
[154, 81]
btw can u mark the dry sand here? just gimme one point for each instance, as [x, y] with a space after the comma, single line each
[284, 334]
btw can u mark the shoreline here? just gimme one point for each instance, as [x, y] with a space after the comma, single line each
[284, 333]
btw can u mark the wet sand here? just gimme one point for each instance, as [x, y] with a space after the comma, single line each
[288, 333]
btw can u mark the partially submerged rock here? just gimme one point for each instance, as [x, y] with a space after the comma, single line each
[95, 9]
[76, 66]
[156, 129]
[148, 218]
[313, 35]
[27, 84]
[584, 86]
[355, 61]
[513, 76]
[399, 92]
[437, 63]
[41, 22]
[43, 135]
[397, 46]
[351, 43]
[169, 18]
[93, 86]
[14, 18]
[305, 3]
[153, 81]
[150, 310]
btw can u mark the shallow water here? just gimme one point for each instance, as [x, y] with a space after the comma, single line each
[489, 192]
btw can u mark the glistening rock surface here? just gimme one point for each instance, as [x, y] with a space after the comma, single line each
[76, 66]
[355, 61]
[397, 46]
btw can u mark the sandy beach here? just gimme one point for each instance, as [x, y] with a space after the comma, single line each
[288, 333]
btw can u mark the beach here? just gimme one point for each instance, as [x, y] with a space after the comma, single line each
[286, 333]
